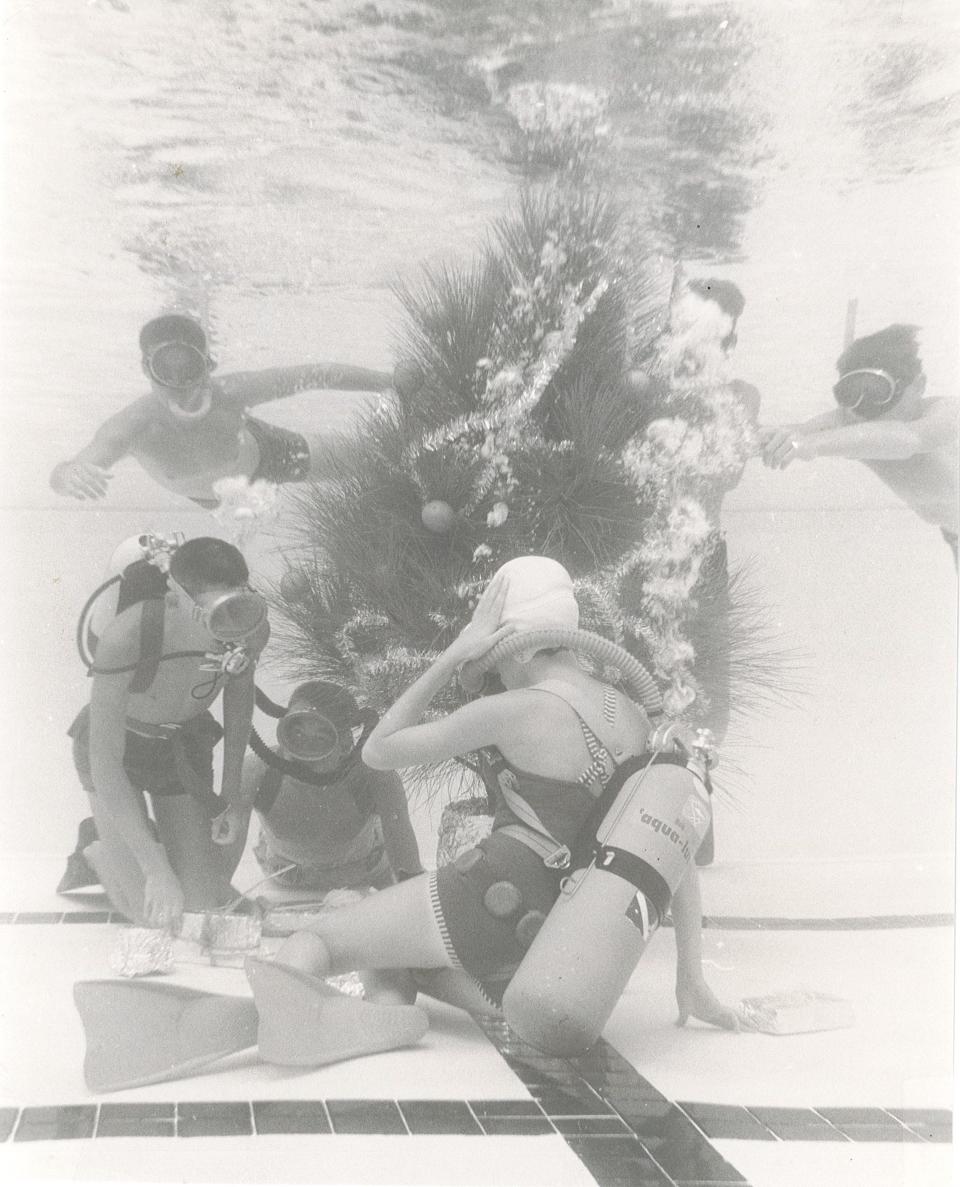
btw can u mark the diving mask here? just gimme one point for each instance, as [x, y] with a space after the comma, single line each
[180, 367]
[307, 735]
[230, 617]
[866, 390]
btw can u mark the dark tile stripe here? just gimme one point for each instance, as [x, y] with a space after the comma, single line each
[661, 1147]
[636, 1112]
[723, 922]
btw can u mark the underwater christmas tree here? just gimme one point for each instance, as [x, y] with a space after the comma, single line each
[523, 429]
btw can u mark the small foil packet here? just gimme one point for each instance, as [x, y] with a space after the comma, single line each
[140, 951]
[218, 939]
[798, 1012]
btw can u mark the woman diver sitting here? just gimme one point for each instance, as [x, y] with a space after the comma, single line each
[465, 929]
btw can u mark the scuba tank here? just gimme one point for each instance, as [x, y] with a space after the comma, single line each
[135, 573]
[581, 959]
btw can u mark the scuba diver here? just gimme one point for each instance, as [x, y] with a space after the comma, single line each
[194, 428]
[884, 420]
[187, 628]
[327, 821]
[694, 354]
[548, 747]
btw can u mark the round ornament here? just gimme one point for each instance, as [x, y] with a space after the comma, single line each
[438, 516]
[294, 586]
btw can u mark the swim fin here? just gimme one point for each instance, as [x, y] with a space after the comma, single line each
[304, 1022]
[143, 1032]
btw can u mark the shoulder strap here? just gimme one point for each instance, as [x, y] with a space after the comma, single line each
[586, 710]
[151, 644]
[268, 789]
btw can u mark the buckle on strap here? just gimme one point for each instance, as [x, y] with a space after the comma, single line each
[606, 857]
[559, 859]
[553, 857]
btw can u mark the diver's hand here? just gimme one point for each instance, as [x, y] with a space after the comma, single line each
[484, 630]
[779, 447]
[80, 480]
[162, 898]
[695, 999]
[225, 828]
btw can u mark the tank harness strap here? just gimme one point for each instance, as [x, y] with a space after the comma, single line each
[638, 873]
[533, 832]
[151, 644]
[555, 856]
[268, 790]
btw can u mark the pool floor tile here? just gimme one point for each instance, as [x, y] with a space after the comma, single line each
[365, 1116]
[505, 1108]
[8, 1119]
[802, 1125]
[439, 1116]
[517, 1126]
[726, 1121]
[214, 1118]
[618, 1162]
[56, 1123]
[137, 1120]
[290, 1116]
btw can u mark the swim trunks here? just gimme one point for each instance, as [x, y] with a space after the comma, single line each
[284, 454]
[181, 764]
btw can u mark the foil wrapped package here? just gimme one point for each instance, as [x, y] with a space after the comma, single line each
[140, 951]
[218, 939]
[798, 1012]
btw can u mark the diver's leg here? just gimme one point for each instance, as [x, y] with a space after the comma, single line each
[115, 865]
[393, 929]
[455, 987]
[201, 866]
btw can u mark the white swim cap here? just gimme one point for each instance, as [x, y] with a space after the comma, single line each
[539, 595]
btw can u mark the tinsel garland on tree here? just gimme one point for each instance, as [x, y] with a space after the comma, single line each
[525, 434]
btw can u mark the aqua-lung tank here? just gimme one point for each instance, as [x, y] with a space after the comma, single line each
[104, 609]
[580, 961]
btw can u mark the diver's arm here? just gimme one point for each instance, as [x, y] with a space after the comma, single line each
[238, 702]
[398, 740]
[694, 995]
[870, 440]
[239, 694]
[261, 387]
[398, 835]
[86, 474]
